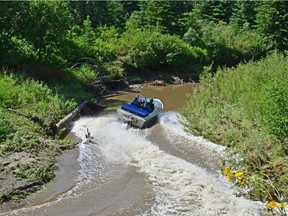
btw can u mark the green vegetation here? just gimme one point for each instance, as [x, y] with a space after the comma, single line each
[147, 50]
[226, 46]
[34, 99]
[27, 150]
[50, 51]
[94, 33]
[246, 109]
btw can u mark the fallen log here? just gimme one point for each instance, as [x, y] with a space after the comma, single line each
[68, 118]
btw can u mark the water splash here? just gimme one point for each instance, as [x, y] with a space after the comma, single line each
[174, 129]
[180, 187]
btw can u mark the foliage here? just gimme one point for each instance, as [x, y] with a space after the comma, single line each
[244, 14]
[94, 48]
[214, 11]
[235, 107]
[47, 34]
[162, 16]
[42, 173]
[35, 39]
[101, 13]
[11, 15]
[150, 50]
[224, 45]
[5, 197]
[71, 33]
[28, 94]
[22, 100]
[247, 180]
[272, 22]
[28, 97]
[275, 109]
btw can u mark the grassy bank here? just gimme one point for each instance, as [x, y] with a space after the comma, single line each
[245, 109]
[28, 111]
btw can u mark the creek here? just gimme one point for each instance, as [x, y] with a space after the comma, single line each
[161, 170]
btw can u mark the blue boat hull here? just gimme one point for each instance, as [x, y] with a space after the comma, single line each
[139, 117]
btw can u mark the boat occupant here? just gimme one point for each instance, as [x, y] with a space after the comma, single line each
[150, 104]
[143, 102]
[136, 101]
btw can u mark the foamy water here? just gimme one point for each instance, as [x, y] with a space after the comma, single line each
[179, 186]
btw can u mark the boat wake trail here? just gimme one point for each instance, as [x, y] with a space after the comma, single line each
[180, 186]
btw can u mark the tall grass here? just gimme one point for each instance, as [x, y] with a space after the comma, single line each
[246, 108]
[32, 98]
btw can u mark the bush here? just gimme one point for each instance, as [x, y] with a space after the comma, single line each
[148, 50]
[224, 45]
[92, 43]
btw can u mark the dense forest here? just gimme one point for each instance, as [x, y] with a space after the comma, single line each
[236, 49]
[115, 37]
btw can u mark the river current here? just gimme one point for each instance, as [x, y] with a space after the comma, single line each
[161, 170]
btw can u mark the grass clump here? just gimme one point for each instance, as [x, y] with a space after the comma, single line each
[245, 108]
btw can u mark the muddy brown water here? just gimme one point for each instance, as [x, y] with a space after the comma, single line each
[161, 170]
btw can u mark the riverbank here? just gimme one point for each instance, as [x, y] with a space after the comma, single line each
[28, 145]
[245, 109]
[29, 148]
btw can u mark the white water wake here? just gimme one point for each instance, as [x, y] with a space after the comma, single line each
[180, 187]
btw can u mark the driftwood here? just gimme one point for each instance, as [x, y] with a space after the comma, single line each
[68, 118]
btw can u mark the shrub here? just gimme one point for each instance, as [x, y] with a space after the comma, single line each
[224, 45]
[150, 50]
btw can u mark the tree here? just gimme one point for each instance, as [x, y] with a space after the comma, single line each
[272, 22]
[46, 25]
[151, 51]
[163, 16]
[213, 10]
[244, 12]
[130, 6]
[107, 13]
[11, 20]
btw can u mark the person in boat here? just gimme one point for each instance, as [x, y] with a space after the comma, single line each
[142, 102]
[136, 99]
[151, 104]
[139, 102]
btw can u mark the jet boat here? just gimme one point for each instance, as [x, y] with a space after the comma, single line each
[141, 111]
